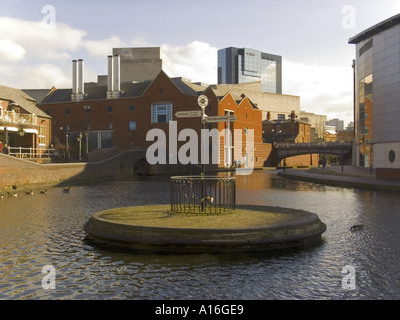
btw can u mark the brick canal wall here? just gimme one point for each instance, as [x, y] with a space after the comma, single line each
[26, 174]
[23, 173]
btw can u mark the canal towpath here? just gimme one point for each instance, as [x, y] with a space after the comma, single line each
[350, 177]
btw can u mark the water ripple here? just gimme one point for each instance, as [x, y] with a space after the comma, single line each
[47, 230]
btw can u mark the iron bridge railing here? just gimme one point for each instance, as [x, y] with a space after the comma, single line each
[196, 194]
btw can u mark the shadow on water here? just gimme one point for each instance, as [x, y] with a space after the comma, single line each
[130, 254]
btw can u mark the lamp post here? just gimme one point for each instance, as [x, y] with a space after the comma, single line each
[342, 144]
[67, 146]
[371, 145]
[87, 141]
[80, 146]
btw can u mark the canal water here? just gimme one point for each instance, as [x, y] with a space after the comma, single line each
[42, 230]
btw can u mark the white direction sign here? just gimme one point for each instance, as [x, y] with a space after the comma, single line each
[229, 118]
[188, 114]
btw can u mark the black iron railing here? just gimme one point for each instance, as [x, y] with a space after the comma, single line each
[196, 194]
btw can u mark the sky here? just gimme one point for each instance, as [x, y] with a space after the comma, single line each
[39, 40]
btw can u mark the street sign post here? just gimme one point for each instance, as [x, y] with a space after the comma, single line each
[230, 118]
[188, 114]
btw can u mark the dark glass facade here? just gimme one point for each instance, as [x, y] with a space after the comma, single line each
[243, 65]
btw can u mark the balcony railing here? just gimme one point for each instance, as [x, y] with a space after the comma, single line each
[31, 153]
[11, 117]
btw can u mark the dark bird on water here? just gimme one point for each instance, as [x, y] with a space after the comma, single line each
[357, 227]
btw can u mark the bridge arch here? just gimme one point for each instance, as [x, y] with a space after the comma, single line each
[286, 150]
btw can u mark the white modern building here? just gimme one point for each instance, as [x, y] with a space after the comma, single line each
[377, 98]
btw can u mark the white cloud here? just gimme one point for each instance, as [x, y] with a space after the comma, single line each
[10, 51]
[103, 48]
[322, 89]
[40, 41]
[44, 76]
[196, 61]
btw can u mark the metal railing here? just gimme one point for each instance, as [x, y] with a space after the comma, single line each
[17, 118]
[31, 153]
[196, 194]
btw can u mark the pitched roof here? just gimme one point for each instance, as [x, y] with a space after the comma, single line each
[128, 89]
[25, 101]
[38, 94]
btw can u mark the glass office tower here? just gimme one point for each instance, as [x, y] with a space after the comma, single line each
[242, 65]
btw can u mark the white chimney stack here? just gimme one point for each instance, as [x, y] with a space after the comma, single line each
[74, 77]
[78, 84]
[113, 81]
[110, 78]
[81, 72]
[117, 84]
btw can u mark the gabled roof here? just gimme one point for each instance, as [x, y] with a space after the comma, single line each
[22, 99]
[38, 94]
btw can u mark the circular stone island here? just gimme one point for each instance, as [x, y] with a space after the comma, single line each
[248, 228]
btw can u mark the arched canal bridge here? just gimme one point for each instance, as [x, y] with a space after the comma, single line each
[286, 150]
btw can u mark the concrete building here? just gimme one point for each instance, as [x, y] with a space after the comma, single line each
[140, 64]
[22, 123]
[317, 122]
[272, 105]
[242, 65]
[338, 124]
[377, 98]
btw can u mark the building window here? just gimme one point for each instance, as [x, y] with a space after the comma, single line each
[132, 125]
[392, 156]
[68, 127]
[42, 135]
[67, 112]
[281, 116]
[88, 109]
[47, 112]
[88, 126]
[246, 130]
[161, 113]
[110, 126]
[131, 108]
[109, 109]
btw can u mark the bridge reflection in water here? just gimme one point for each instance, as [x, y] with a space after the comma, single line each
[286, 150]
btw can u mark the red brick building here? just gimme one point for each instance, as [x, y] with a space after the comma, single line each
[290, 131]
[23, 126]
[102, 119]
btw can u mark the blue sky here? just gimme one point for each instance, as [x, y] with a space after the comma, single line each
[311, 36]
